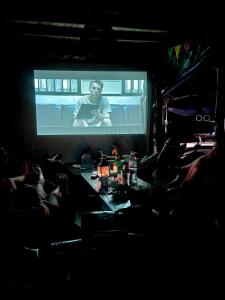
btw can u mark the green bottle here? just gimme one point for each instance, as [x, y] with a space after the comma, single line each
[117, 166]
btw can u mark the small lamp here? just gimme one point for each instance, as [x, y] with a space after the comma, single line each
[103, 174]
[103, 168]
[103, 171]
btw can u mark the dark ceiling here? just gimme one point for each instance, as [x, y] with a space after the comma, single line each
[78, 34]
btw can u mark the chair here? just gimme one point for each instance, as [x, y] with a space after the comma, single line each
[36, 254]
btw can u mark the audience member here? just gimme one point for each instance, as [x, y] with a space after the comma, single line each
[201, 193]
[117, 151]
[31, 191]
[162, 168]
[9, 165]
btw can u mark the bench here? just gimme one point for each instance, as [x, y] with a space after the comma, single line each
[61, 115]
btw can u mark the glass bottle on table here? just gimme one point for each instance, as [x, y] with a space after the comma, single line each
[125, 171]
[132, 165]
[117, 166]
[87, 160]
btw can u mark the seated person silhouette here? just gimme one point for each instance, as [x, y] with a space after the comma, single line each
[99, 115]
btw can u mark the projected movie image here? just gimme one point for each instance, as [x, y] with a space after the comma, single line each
[90, 102]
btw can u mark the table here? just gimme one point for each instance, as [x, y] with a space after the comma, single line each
[108, 200]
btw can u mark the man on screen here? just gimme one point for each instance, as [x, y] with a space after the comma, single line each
[100, 116]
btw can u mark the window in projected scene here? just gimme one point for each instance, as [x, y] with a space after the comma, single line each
[110, 102]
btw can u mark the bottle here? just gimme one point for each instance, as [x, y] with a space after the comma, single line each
[86, 161]
[125, 173]
[117, 166]
[132, 165]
